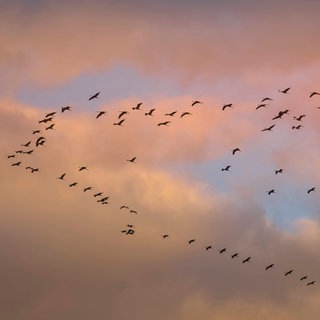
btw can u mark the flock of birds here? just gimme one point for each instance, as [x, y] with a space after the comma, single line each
[39, 140]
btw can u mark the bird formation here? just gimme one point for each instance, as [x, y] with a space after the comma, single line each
[38, 140]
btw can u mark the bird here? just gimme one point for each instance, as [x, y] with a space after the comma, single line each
[132, 160]
[28, 152]
[185, 113]
[32, 169]
[310, 283]
[195, 102]
[268, 128]
[100, 113]
[280, 114]
[45, 120]
[191, 241]
[165, 236]
[246, 260]
[122, 113]
[130, 226]
[278, 171]
[138, 106]
[234, 255]
[311, 189]
[261, 105]
[269, 266]
[208, 247]
[150, 113]
[223, 250]
[303, 278]
[165, 123]
[313, 94]
[35, 131]
[86, 189]
[98, 194]
[50, 127]
[266, 99]
[16, 164]
[285, 90]
[235, 150]
[62, 176]
[38, 141]
[300, 117]
[130, 231]
[51, 114]
[271, 191]
[83, 168]
[26, 144]
[94, 96]
[41, 143]
[171, 114]
[73, 184]
[19, 151]
[11, 156]
[119, 123]
[104, 199]
[226, 168]
[288, 272]
[124, 207]
[67, 108]
[229, 105]
[133, 211]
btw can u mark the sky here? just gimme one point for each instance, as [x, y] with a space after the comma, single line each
[63, 253]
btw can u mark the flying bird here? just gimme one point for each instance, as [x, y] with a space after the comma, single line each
[226, 168]
[171, 114]
[100, 113]
[119, 123]
[98, 194]
[266, 99]
[133, 211]
[26, 144]
[313, 94]
[269, 266]
[195, 102]
[191, 241]
[303, 278]
[165, 236]
[300, 117]
[62, 176]
[235, 150]
[285, 90]
[271, 191]
[223, 250]
[83, 168]
[16, 164]
[246, 260]
[95, 96]
[278, 171]
[150, 113]
[268, 128]
[122, 113]
[297, 127]
[35, 131]
[86, 189]
[28, 152]
[229, 105]
[235, 255]
[132, 160]
[67, 108]
[208, 247]
[73, 184]
[165, 123]
[311, 189]
[137, 107]
[310, 283]
[32, 169]
[11, 156]
[261, 105]
[50, 127]
[124, 207]
[185, 113]
[288, 272]
[51, 114]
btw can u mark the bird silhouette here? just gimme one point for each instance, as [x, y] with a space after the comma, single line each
[124, 207]
[35, 131]
[235, 255]
[303, 278]
[269, 266]
[16, 164]
[50, 127]
[11, 156]
[246, 260]
[297, 127]
[310, 283]
[32, 169]
[266, 99]
[94, 96]
[86, 189]
[104, 199]
[132, 160]
[100, 113]
[130, 231]
[185, 113]
[311, 189]
[165, 236]
[165, 123]
[271, 191]
[226, 168]
[28, 152]
[300, 117]
[171, 114]
[288, 272]
[122, 113]
[235, 150]
[225, 106]
[261, 105]
[133, 211]
[73, 184]
[313, 94]
[278, 171]
[285, 90]
[191, 241]
[83, 168]
[67, 108]
[62, 176]
[51, 114]
[208, 247]
[19, 151]
[97, 194]
[26, 144]
[150, 113]
[40, 141]
[195, 102]
[223, 250]
[119, 123]
[268, 128]
[138, 106]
